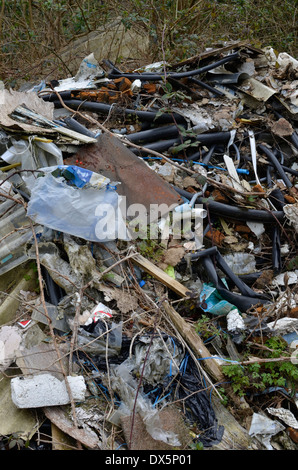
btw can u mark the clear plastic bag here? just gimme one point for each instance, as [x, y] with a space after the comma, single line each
[86, 212]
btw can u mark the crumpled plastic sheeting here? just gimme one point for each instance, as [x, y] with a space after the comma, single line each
[163, 359]
[123, 383]
[264, 428]
[187, 386]
[86, 76]
[88, 213]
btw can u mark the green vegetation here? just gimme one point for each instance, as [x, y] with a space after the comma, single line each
[34, 30]
[206, 328]
[256, 377]
[150, 249]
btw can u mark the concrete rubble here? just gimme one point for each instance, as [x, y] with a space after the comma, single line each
[148, 255]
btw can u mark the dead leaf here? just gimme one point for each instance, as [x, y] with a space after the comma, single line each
[172, 257]
[126, 302]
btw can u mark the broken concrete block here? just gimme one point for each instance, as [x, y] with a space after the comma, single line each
[45, 390]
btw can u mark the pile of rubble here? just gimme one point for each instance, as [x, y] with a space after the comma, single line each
[148, 247]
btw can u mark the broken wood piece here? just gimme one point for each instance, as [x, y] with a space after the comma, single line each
[195, 343]
[58, 417]
[161, 275]
[235, 436]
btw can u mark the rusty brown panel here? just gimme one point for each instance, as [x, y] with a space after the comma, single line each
[139, 183]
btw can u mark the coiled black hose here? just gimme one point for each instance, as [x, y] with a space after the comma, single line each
[157, 77]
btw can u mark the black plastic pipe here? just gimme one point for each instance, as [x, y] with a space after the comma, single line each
[234, 212]
[276, 164]
[76, 126]
[242, 302]
[206, 159]
[239, 283]
[294, 139]
[65, 95]
[151, 135]
[290, 170]
[250, 278]
[269, 176]
[157, 77]
[160, 145]
[102, 108]
[285, 168]
[214, 138]
[277, 199]
[243, 288]
[163, 145]
[207, 252]
[196, 155]
[210, 88]
[240, 213]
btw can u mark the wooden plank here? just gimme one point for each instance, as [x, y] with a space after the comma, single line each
[59, 417]
[195, 343]
[162, 276]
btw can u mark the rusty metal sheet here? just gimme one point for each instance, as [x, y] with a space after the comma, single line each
[139, 184]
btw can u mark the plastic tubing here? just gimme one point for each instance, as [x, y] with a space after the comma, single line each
[239, 213]
[76, 126]
[276, 164]
[243, 288]
[234, 212]
[65, 95]
[157, 77]
[162, 145]
[151, 135]
[294, 139]
[213, 90]
[242, 302]
[206, 252]
[206, 159]
[102, 108]
[194, 156]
